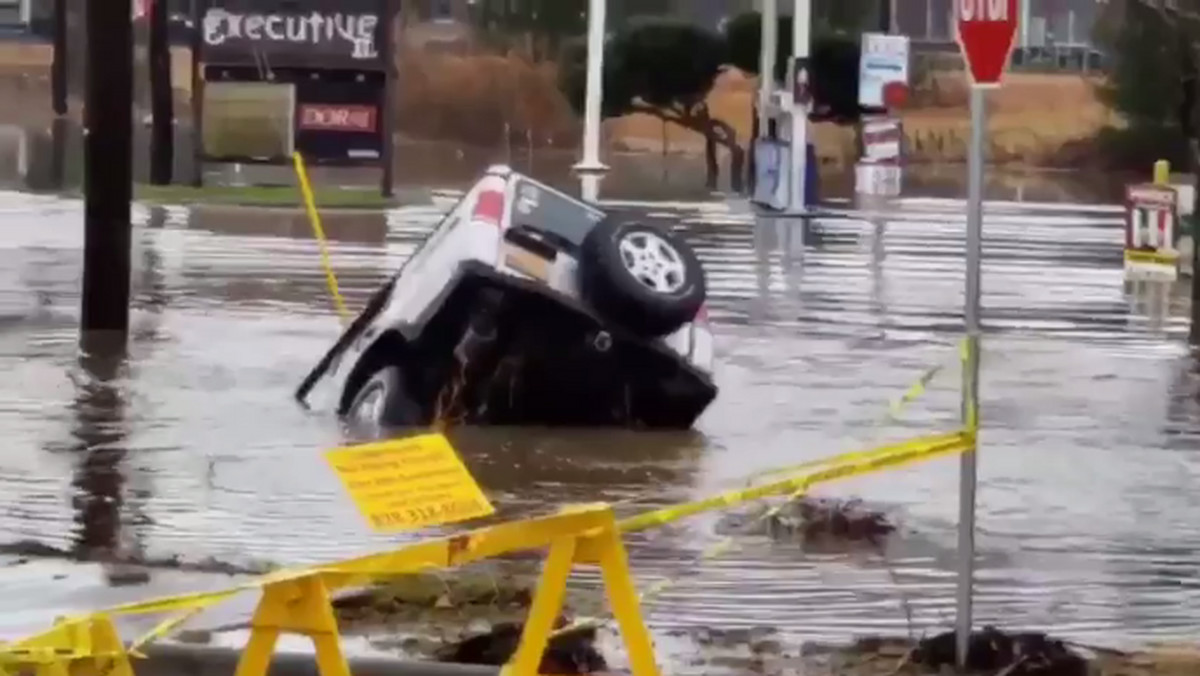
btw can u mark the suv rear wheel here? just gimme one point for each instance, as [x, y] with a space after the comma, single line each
[641, 276]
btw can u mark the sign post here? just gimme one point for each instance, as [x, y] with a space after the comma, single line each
[882, 88]
[985, 32]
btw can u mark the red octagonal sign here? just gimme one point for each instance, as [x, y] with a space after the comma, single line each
[986, 30]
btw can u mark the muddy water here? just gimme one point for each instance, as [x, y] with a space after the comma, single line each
[193, 448]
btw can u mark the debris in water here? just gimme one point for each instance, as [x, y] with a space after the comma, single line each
[32, 549]
[813, 522]
[489, 591]
[991, 651]
[570, 652]
[119, 575]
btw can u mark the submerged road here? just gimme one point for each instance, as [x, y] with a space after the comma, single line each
[194, 449]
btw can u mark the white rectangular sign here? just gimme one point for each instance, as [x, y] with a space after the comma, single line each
[880, 180]
[884, 59]
[882, 139]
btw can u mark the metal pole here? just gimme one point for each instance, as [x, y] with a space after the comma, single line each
[590, 168]
[58, 67]
[387, 52]
[162, 98]
[801, 9]
[1024, 27]
[768, 48]
[198, 9]
[108, 168]
[970, 389]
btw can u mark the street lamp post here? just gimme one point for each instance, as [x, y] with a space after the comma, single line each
[590, 169]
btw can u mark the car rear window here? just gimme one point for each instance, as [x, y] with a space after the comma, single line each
[545, 209]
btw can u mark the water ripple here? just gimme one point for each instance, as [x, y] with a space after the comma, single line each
[1088, 521]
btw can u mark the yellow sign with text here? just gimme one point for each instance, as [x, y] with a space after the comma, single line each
[411, 483]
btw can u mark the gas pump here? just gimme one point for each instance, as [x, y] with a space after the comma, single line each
[776, 186]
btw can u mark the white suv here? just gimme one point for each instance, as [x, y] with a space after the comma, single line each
[528, 307]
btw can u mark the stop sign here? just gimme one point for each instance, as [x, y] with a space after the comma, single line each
[986, 29]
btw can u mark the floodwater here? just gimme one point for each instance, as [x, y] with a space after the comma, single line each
[194, 449]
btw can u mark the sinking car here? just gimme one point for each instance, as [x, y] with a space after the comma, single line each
[525, 306]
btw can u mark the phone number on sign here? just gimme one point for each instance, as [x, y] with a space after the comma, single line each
[429, 513]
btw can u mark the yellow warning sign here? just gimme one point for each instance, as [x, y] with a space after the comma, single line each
[409, 483]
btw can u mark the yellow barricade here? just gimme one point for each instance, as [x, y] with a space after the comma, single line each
[298, 600]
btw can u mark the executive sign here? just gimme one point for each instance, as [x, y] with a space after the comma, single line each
[298, 33]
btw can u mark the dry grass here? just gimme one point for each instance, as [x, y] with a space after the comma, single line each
[480, 99]
[1032, 119]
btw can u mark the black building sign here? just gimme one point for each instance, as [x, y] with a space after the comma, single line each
[279, 33]
[329, 58]
[339, 122]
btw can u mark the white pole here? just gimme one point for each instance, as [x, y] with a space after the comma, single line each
[801, 10]
[22, 153]
[1025, 26]
[768, 46]
[590, 168]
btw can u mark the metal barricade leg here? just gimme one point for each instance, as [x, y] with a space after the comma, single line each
[109, 657]
[545, 608]
[623, 597]
[299, 606]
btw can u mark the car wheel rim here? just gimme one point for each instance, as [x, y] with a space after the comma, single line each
[653, 261]
[370, 407]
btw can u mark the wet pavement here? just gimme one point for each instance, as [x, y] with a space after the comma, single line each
[194, 449]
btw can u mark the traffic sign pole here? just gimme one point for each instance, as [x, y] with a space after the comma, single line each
[985, 31]
[970, 385]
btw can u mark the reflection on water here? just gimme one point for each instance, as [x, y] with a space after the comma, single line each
[192, 445]
[100, 434]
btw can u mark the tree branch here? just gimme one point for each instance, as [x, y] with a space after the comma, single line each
[1170, 10]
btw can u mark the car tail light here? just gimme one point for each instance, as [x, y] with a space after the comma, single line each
[489, 207]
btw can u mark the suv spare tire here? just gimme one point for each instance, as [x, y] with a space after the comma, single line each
[641, 276]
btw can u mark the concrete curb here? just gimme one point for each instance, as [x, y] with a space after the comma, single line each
[170, 659]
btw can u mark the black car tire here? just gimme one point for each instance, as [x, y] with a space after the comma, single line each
[397, 408]
[620, 283]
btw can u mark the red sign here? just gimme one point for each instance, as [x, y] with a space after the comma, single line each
[986, 30]
[337, 117]
[882, 138]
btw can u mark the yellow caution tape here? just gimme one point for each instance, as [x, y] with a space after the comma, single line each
[852, 464]
[162, 629]
[799, 478]
[314, 217]
[895, 408]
